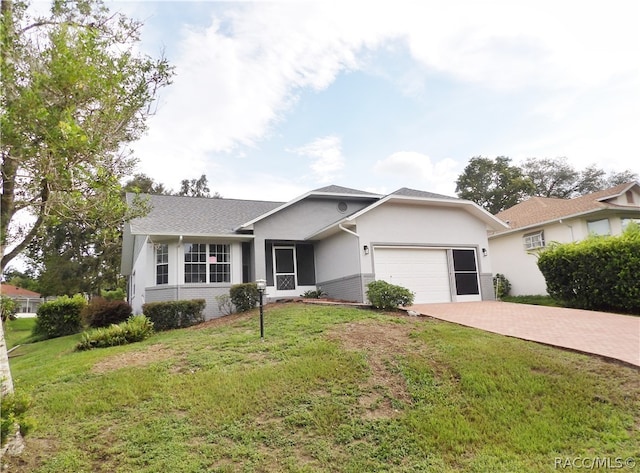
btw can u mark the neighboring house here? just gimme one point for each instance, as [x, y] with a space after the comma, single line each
[538, 221]
[333, 238]
[28, 301]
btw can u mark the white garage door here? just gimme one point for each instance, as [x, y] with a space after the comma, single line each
[421, 270]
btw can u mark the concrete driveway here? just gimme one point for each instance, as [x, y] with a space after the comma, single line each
[602, 333]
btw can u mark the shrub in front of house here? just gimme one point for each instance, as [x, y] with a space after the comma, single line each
[385, 296]
[114, 295]
[244, 296]
[175, 314]
[225, 306]
[311, 294]
[599, 273]
[101, 312]
[13, 408]
[501, 285]
[59, 317]
[134, 329]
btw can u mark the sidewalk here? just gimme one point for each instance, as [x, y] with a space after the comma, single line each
[601, 333]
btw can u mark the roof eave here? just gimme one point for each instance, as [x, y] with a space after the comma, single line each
[559, 219]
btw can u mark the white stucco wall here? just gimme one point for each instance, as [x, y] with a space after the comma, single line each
[509, 257]
[337, 256]
[421, 225]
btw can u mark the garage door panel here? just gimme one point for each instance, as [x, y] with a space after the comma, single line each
[423, 271]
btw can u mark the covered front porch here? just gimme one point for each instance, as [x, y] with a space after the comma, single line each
[290, 268]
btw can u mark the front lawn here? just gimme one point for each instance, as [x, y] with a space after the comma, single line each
[18, 331]
[330, 389]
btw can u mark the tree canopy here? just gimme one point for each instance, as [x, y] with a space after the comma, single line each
[74, 93]
[496, 184]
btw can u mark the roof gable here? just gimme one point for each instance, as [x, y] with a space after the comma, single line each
[330, 192]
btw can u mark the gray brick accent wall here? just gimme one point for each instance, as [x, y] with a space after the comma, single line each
[350, 288]
[192, 291]
[486, 287]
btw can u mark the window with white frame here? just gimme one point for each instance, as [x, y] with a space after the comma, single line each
[207, 263]
[599, 227]
[534, 240]
[627, 221]
[219, 263]
[195, 263]
[162, 264]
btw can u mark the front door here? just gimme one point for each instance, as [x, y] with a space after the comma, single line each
[284, 268]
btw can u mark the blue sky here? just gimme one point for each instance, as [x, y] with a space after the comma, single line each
[271, 100]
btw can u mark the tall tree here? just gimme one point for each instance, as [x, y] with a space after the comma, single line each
[493, 184]
[143, 184]
[555, 177]
[197, 188]
[74, 94]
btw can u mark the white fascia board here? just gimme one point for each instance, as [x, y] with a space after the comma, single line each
[629, 187]
[218, 236]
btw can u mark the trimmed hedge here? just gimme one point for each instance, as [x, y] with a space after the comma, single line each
[175, 314]
[244, 296]
[102, 312]
[59, 317]
[383, 295]
[599, 273]
[135, 329]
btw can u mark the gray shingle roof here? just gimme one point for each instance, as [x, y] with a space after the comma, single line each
[332, 189]
[197, 216]
[424, 194]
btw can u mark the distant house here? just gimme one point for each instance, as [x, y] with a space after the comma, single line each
[334, 238]
[536, 222]
[28, 301]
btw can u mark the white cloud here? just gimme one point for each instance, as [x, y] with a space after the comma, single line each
[239, 77]
[413, 169]
[326, 153]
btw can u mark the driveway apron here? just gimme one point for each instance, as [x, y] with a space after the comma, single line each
[601, 333]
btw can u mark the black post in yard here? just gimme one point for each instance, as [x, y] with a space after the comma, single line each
[262, 286]
[261, 319]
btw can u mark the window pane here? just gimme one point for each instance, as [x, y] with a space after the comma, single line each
[599, 227]
[162, 274]
[219, 263]
[162, 266]
[464, 260]
[284, 260]
[466, 284]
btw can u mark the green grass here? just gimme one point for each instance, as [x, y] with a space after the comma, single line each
[534, 300]
[330, 389]
[18, 331]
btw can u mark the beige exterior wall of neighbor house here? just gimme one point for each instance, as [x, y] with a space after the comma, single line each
[519, 265]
